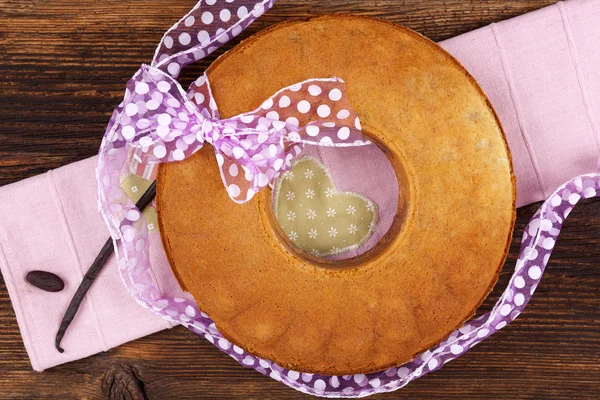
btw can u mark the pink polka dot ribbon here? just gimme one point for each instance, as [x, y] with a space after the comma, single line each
[162, 123]
[159, 122]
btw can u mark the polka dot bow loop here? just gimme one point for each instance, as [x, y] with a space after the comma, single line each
[163, 124]
[254, 148]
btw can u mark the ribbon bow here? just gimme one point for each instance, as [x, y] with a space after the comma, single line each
[163, 123]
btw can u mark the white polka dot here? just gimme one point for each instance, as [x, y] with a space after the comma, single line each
[456, 349]
[567, 212]
[133, 215]
[292, 121]
[284, 101]
[343, 114]
[312, 130]
[326, 141]
[334, 382]
[534, 272]
[178, 155]
[546, 225]
[432, 364]
[556, 200]
[501, 325]
[273, 115]
[247, 118]
[272, 150]
[275, 375]
[375, 382]
[343, 133]
[238, 152]
[259, 10]
[574, 198]
[505, 310]
[402, 372]
[267, 104]
[236, 30]
[203, 38]
[146, 140]
[357, 123]
[314, 90]
[242, 12]
[530, 253]
[233, 190]
[359, 378]
[129, 235]
[263, 179]
[152, 104]
[335, 94]
[519, 282]
[295, 87]
[160, 151]
[320, 385]
[293, 375]
[323, 110]
[163, 86]
[173, 68]
[533, 226]
[168, 41]
[248, 360]
[548, 243]
[128, 132]
[210, 2]
[224, 344]
[164, 119]
[589, 192]
[131, 109]
[519, 299]
[278, 124]
[141, 88]
[233, 170]
[175, 104]
[303, 106]
[185, 38]
[190, 312]
[207, 17]
[482, 333]
[162, 131]
[220, 160]
[189, 21]
[225, 15]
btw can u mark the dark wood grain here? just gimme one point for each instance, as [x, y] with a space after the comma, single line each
[63, 66]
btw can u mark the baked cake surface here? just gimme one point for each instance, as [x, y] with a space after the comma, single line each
[442, 256]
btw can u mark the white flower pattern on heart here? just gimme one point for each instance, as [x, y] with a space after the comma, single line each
[320, 217]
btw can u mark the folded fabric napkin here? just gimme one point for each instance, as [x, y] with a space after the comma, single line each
[538, 70]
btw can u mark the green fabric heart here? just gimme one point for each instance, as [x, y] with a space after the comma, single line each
[315, 216]
[135, 186]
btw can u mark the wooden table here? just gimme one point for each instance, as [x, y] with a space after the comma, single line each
[63, 66]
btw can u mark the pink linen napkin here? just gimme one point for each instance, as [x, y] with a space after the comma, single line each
[539, 71]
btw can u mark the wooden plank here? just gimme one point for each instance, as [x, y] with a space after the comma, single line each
[63, 68]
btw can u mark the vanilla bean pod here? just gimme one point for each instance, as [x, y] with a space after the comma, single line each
[93, 272]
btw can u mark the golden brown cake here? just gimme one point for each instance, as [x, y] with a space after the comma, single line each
[434, 267]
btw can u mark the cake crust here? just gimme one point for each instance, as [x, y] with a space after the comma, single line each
[406, 295]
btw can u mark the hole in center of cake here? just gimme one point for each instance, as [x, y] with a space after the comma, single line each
[336, 204]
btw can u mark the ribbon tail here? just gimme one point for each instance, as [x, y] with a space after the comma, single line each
[203, 30]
